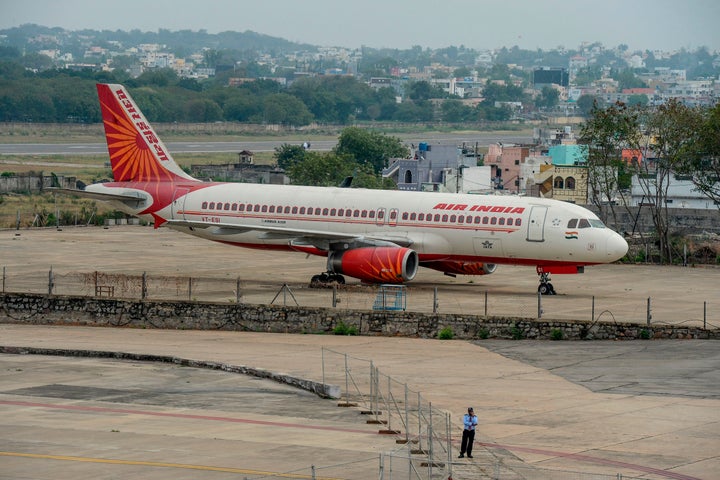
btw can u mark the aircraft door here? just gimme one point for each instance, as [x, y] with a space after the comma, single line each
[178, 203]
[536, 225]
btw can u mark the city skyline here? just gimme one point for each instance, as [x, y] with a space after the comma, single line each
[478, 24]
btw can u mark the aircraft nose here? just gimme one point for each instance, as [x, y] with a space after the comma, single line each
[617, 247]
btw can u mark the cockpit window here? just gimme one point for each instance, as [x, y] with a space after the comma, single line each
[583, 223]
[596, 223]
[572, 223]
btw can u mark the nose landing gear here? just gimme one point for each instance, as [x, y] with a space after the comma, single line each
[545, 287]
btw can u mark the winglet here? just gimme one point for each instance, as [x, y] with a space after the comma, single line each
[136, 152]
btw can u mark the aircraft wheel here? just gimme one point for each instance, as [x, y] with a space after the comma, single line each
[543, 289]
[551, 289]
[339, 279]
[316, 280]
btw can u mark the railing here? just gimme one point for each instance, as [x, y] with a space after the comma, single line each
[659, 310]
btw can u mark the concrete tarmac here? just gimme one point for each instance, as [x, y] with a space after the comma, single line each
[645, 409]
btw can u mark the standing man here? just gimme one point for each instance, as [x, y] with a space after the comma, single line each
[469, 424]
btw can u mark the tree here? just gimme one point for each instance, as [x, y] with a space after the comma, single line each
[326, 169]
[588, 103]
[369, 147]
[549, 97]
[287, 155]
[701, 157]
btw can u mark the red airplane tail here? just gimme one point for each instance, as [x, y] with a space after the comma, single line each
[136, 152]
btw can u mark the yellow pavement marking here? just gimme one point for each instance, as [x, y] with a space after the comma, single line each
[161, 464]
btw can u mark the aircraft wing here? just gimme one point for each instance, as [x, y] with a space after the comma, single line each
[320, 238]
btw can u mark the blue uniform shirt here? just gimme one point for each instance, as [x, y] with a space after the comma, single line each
[469, 421]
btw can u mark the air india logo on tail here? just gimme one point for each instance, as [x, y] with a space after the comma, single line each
[136, 153]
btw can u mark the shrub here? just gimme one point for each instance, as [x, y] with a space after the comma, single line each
[445, 334]
[516, 333]
[645, 334]
[556, 334]
[483, 333]
[343, 329]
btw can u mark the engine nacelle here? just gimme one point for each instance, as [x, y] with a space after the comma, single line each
[376, 264]
[459, 267]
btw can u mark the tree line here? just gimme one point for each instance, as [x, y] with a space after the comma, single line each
[66, 96]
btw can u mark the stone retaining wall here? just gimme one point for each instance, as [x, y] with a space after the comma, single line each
[38, 309]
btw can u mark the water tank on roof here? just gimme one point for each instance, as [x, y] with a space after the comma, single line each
[423, 146]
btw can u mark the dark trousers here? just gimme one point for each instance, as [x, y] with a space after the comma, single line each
[467, 441]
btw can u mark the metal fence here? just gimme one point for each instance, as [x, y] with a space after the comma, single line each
[658, 310]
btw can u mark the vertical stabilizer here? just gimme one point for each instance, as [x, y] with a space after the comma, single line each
[136, 153]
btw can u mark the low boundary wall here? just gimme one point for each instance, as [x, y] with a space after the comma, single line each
[39, 309]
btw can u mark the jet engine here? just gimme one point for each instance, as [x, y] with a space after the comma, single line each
[375, 264]
[460, 267]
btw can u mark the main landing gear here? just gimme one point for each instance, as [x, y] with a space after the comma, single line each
[545, 287]
[326, 279]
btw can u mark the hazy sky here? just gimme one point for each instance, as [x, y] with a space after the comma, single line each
[530, 24]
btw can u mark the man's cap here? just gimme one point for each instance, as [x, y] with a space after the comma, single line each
[470, 409]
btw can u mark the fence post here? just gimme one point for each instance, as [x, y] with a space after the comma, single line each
[3, 283]
[448, 434]
[592, 311]
[50, 282]
[189, 289]
[237, 290]
[486, 304]
[407, 417]
[704, 305]
[540, 311]
[430, 441]
[435, 300]
[143, 288]
[649, 314]
[334, 298]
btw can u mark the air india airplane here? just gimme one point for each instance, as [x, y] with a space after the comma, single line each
[376, 236]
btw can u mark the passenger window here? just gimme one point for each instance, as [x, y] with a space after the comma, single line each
[493, 221]
[477, 219]
[318, 211]
[485, 220]
[264, 208]
[272, 209]
[212, 205]
[501, 221]
[363, 214]
[413, 216]
[333, 212]
[234, 207]
[518, 222]
[294, 210]
[341, 212]
[256, 208]
[452, 218]
[226, 207]
[371, 214]
[204, 205]
[421, 217]
[584, 223]
[241, 207]
[348, 213]
[381, 214]
[356, 213]
[325, 211]
[572, 223]
[302, 210]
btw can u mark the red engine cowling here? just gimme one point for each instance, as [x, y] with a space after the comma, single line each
[459, 267]
[376, 264]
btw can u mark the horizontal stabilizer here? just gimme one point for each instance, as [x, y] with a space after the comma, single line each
[134, 200]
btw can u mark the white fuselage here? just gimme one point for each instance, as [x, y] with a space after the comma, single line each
[490, 228]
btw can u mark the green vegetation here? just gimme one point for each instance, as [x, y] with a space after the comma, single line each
[556, 334]
[446, 333]
[343, 329]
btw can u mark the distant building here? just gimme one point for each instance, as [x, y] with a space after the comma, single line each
[547, 76]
